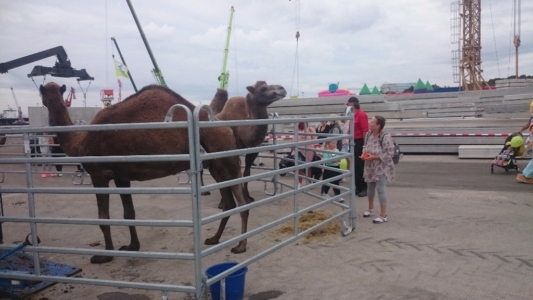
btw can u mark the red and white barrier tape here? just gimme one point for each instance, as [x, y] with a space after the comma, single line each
[289, 136]
[280, 137]
[448, 134]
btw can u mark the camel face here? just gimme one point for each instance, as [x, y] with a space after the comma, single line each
[49, 93]
[266, 94]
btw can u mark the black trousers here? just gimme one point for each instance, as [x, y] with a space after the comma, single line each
[359, 166]
[57, 150]
[327, 175]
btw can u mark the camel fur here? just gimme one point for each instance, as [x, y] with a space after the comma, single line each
[252, 107]
[150, 104]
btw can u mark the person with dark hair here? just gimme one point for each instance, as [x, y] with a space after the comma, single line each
[379, 167]
[360, 129]
[335, 128]
[322, 128]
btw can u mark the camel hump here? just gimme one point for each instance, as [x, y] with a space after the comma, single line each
[219, 101]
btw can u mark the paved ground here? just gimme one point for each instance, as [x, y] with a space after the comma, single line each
[455, 231]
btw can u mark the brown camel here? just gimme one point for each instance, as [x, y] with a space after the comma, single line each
[252, 107]
[148, 105]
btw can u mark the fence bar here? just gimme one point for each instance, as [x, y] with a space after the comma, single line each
[98, 127]
[102, 282]
[144, 190]
[115, 222]
[99, 159]
[116, 253]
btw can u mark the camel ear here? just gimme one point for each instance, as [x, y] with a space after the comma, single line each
[42, 89]
[63, 89]
[250, 89]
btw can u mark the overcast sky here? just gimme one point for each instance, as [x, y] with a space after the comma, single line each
[350, 42]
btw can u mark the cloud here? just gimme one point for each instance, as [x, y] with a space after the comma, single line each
[340, 41]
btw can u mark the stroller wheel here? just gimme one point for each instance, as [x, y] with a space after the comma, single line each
[506, 171]
[517, 170]
[492, 169]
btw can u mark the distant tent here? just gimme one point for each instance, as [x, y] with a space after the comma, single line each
[420, 87]
[375, 91]
[429, 87]
[365, 90]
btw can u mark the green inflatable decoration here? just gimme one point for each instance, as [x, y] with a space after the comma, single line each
[365, 90]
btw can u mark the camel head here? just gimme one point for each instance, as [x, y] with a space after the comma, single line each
[52, 94]
[265, 94]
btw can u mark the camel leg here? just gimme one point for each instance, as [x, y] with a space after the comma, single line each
[202, 181]
[238, 190]
[102, 201]
[129, 213]
[223, 170]
[248, 161]
[227, 203]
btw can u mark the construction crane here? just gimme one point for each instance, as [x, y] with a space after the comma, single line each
[516, 30]
[124, 62]
[71, 95]
[224, 75]
[20, 119]
[156, 71]
[466, 28]
[61, 68]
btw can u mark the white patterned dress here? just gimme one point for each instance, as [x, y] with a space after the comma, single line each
[383, 166]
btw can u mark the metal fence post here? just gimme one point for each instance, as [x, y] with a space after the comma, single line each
[196, 165]
[31, 208]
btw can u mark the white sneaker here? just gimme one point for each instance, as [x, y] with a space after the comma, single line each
[341, 200]
[380, 220]
[325, 196]
[368, 213]
[299, 186]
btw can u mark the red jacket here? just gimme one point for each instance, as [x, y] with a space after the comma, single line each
[360, 120]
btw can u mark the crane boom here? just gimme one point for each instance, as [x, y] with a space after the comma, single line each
[19, 109]
[62, 67]
[124, 62]
[156, 71]
[516, 30]
[224, 76]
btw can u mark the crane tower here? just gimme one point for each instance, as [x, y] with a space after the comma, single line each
[468, 14]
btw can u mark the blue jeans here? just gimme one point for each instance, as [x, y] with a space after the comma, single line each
[528, 171]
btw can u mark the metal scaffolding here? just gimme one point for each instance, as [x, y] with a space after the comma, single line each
[470, 68]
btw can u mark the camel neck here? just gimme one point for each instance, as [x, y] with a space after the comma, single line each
[58, 116]
[256, 111]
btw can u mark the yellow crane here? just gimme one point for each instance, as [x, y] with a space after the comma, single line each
[224, 75]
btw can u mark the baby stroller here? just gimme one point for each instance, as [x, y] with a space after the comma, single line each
[288, 161]
[513, 147]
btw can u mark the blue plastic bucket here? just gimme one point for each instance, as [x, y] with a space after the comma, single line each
[234, 282]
